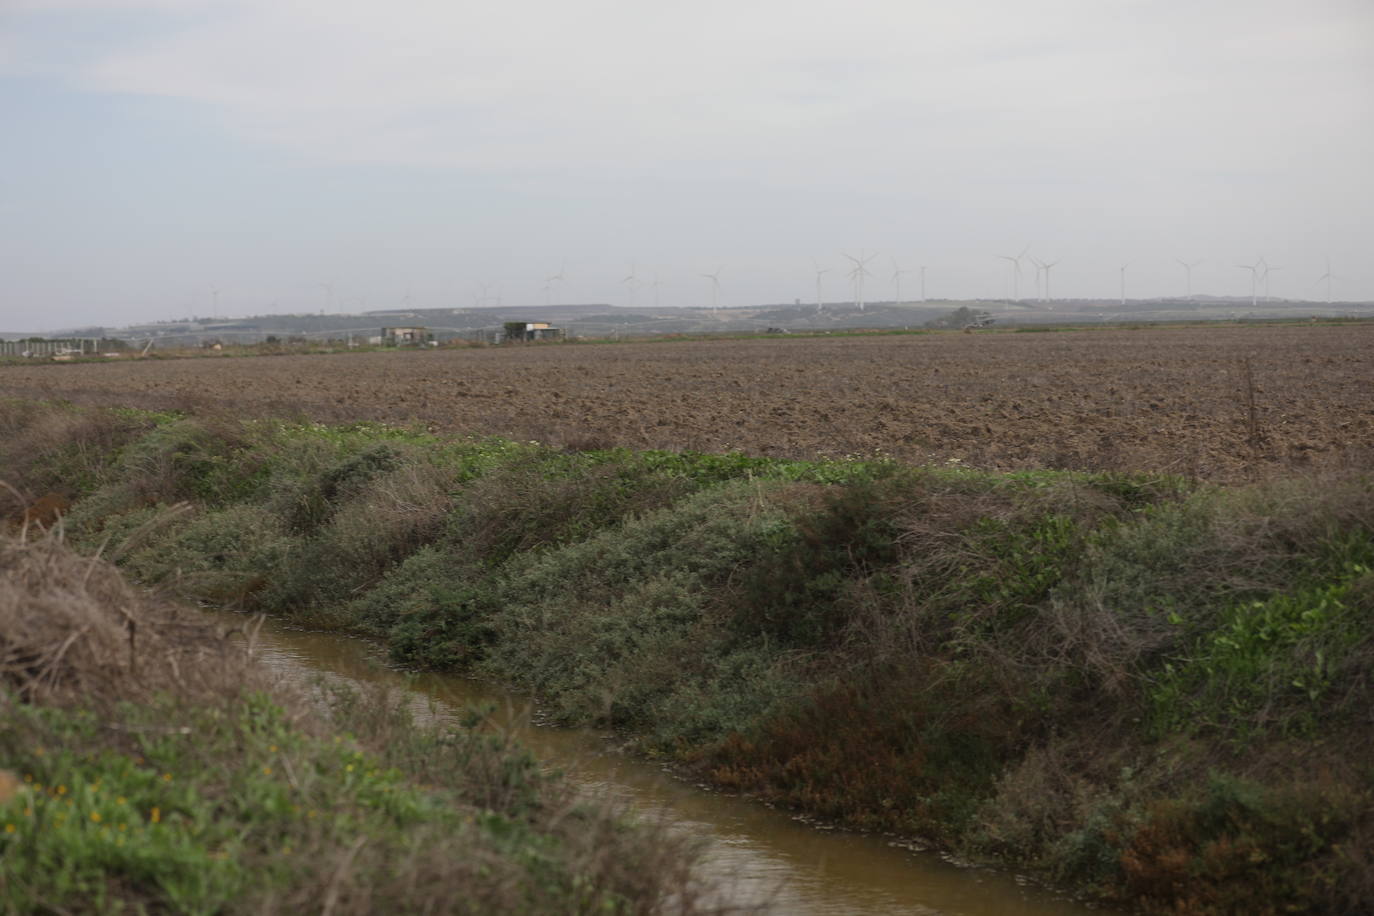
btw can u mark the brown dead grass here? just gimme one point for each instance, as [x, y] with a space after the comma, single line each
[73, 631]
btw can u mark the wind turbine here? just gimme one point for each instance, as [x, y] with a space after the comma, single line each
[1123, 283]
[858, 273]
[715, 288]
[1254, 280]
[633, 282]
[1188, 272]
[1015, 272]
[1046, 268]
[549, 281]
[1268, 269]
[897, 279]
[654, 286]
[820, 272]
[923, 283]
[1328, 277]
[1039, 266]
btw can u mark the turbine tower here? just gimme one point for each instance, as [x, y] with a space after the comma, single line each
[1268, 269]
[1039, 266]
[1188, 274]
[1015, 272]
[1328, 277]
[1046, 268]
[632, 281]
[715, 288]
[654, 286]
[1123, 283]
[923, 283]
[858, 273]
[897, 279]
[1254, 280]
[820, 272]
[551, 281]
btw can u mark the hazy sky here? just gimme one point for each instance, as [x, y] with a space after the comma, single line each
[153, 151]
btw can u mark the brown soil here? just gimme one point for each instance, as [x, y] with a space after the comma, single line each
[1165, 399]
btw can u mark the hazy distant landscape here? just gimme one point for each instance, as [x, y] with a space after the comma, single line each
[601, 320]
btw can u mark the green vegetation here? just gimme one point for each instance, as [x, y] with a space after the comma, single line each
[1140, 686]
[150, 765]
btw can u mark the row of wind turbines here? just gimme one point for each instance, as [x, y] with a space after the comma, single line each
[856, 276]
[1260, 273]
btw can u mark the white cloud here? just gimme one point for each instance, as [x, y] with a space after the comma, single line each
[613, 85]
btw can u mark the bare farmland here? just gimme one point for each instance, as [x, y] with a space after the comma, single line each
[1170, 399]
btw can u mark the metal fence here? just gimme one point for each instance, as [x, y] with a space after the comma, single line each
[41, 348]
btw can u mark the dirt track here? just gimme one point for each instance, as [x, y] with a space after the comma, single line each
[1159, 399]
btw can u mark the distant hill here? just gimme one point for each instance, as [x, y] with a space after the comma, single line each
[599, 319]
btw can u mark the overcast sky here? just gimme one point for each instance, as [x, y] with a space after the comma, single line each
[347, 154]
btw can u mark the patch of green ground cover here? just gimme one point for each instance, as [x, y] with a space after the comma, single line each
[232, 812]
[1270, 663]
[1021, 665]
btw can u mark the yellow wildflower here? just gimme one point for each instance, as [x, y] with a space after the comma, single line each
[95, 817]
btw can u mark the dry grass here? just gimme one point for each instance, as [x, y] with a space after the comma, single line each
[72, 631]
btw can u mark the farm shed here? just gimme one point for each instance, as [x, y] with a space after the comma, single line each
[532, 330]
[406, 337]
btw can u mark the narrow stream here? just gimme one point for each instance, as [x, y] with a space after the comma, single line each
[762, 856]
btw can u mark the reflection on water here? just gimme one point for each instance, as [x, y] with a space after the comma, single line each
[760, 855]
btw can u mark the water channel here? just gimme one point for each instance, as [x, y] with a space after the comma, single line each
[760, 855]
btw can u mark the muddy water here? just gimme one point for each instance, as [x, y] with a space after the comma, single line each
[758, 855]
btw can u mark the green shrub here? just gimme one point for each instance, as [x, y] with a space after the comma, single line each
[1268, 664]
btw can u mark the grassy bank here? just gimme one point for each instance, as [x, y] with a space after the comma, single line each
[147, 764]
[1149, 689]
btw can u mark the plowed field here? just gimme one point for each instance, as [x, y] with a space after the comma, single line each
[1173, 399]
